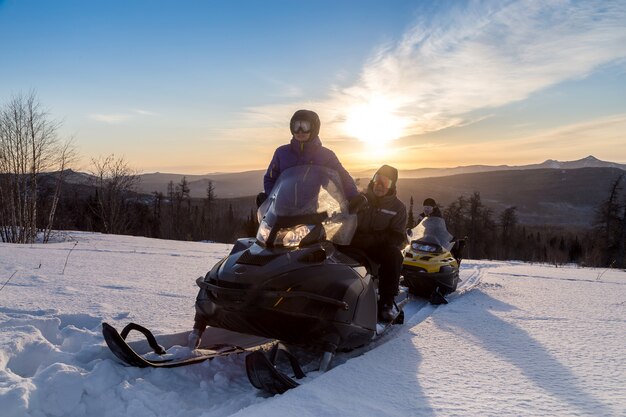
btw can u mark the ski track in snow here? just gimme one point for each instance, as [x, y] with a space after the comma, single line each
[516, 339]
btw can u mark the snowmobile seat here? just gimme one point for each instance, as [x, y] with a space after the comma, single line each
[361, 258]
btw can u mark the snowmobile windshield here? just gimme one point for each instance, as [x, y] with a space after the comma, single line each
[432, 230]
[306, 201]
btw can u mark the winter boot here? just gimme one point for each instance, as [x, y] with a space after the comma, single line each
[387, 311]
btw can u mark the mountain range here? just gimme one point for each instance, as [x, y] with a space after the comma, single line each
[588, 162]
[565, 197]
[240, 184]
[550, 193]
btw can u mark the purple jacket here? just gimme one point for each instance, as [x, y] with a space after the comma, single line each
[306, 153]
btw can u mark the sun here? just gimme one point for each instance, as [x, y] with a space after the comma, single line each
[374, 122]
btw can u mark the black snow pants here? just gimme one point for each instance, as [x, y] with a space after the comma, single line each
[389, 258]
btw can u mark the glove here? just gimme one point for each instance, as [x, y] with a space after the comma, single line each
[260, 198]
[357, 203]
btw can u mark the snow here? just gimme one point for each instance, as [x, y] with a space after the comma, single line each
[530, 340]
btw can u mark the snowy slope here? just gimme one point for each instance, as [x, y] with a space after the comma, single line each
[530, 340]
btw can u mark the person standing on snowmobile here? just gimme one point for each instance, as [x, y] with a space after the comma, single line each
[430, 210]
[305, 148]
[381, 235]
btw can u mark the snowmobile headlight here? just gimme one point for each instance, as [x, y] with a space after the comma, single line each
[264, 232]
[423, 247]
[292, 236]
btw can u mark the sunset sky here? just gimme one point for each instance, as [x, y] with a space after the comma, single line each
[205, 86]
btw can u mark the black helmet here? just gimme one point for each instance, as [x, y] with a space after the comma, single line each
[309, 116]
[430, 202]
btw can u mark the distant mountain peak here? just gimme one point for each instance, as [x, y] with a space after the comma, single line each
[551, 163]
[591, 158]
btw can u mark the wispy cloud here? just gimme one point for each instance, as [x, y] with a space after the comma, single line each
[479, 56]
[572, 141]
[282, 89]
[110, 118]
[488, 55]
[609, 128]
[143, 112]
[118, 118]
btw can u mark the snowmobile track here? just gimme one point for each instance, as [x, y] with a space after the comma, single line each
[470, 282]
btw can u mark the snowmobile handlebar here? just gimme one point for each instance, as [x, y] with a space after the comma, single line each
[214, 289]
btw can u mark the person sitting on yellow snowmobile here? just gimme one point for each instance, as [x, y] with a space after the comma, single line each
[430, 209]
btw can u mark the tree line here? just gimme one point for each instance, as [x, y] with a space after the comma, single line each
[501, 237]
[113, 207]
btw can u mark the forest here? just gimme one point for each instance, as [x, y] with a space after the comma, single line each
[489, 235]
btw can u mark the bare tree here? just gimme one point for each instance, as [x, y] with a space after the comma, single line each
[115, 183]
[66, 155]
[29, 146]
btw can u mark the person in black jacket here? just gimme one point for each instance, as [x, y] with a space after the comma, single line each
[430, 209]
[381, 234]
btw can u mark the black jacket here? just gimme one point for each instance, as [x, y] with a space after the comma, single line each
[382, 222]
[436, 213]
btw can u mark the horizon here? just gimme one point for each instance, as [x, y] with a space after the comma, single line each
[195, 87]
[400, 171]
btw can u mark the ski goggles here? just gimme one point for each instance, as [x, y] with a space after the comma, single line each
[382, 180]
[300, 126]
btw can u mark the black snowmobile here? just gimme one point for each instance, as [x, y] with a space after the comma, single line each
[294, 283]
[430, 269]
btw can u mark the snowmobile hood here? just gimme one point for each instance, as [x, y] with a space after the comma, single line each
[432, 230]
[306, 201]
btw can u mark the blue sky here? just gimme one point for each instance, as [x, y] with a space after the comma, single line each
[206, 86]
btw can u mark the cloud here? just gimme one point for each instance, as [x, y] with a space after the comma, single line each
[572, 141]
[472, 58]
[486, 56]
[111, 118]
[144, 112]
[284, 90]
[118, 118]
[584, 134]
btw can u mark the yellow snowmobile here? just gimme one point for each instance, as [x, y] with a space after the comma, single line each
[429, 268]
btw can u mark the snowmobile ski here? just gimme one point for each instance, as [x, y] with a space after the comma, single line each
[117, 344]
[263, 374]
